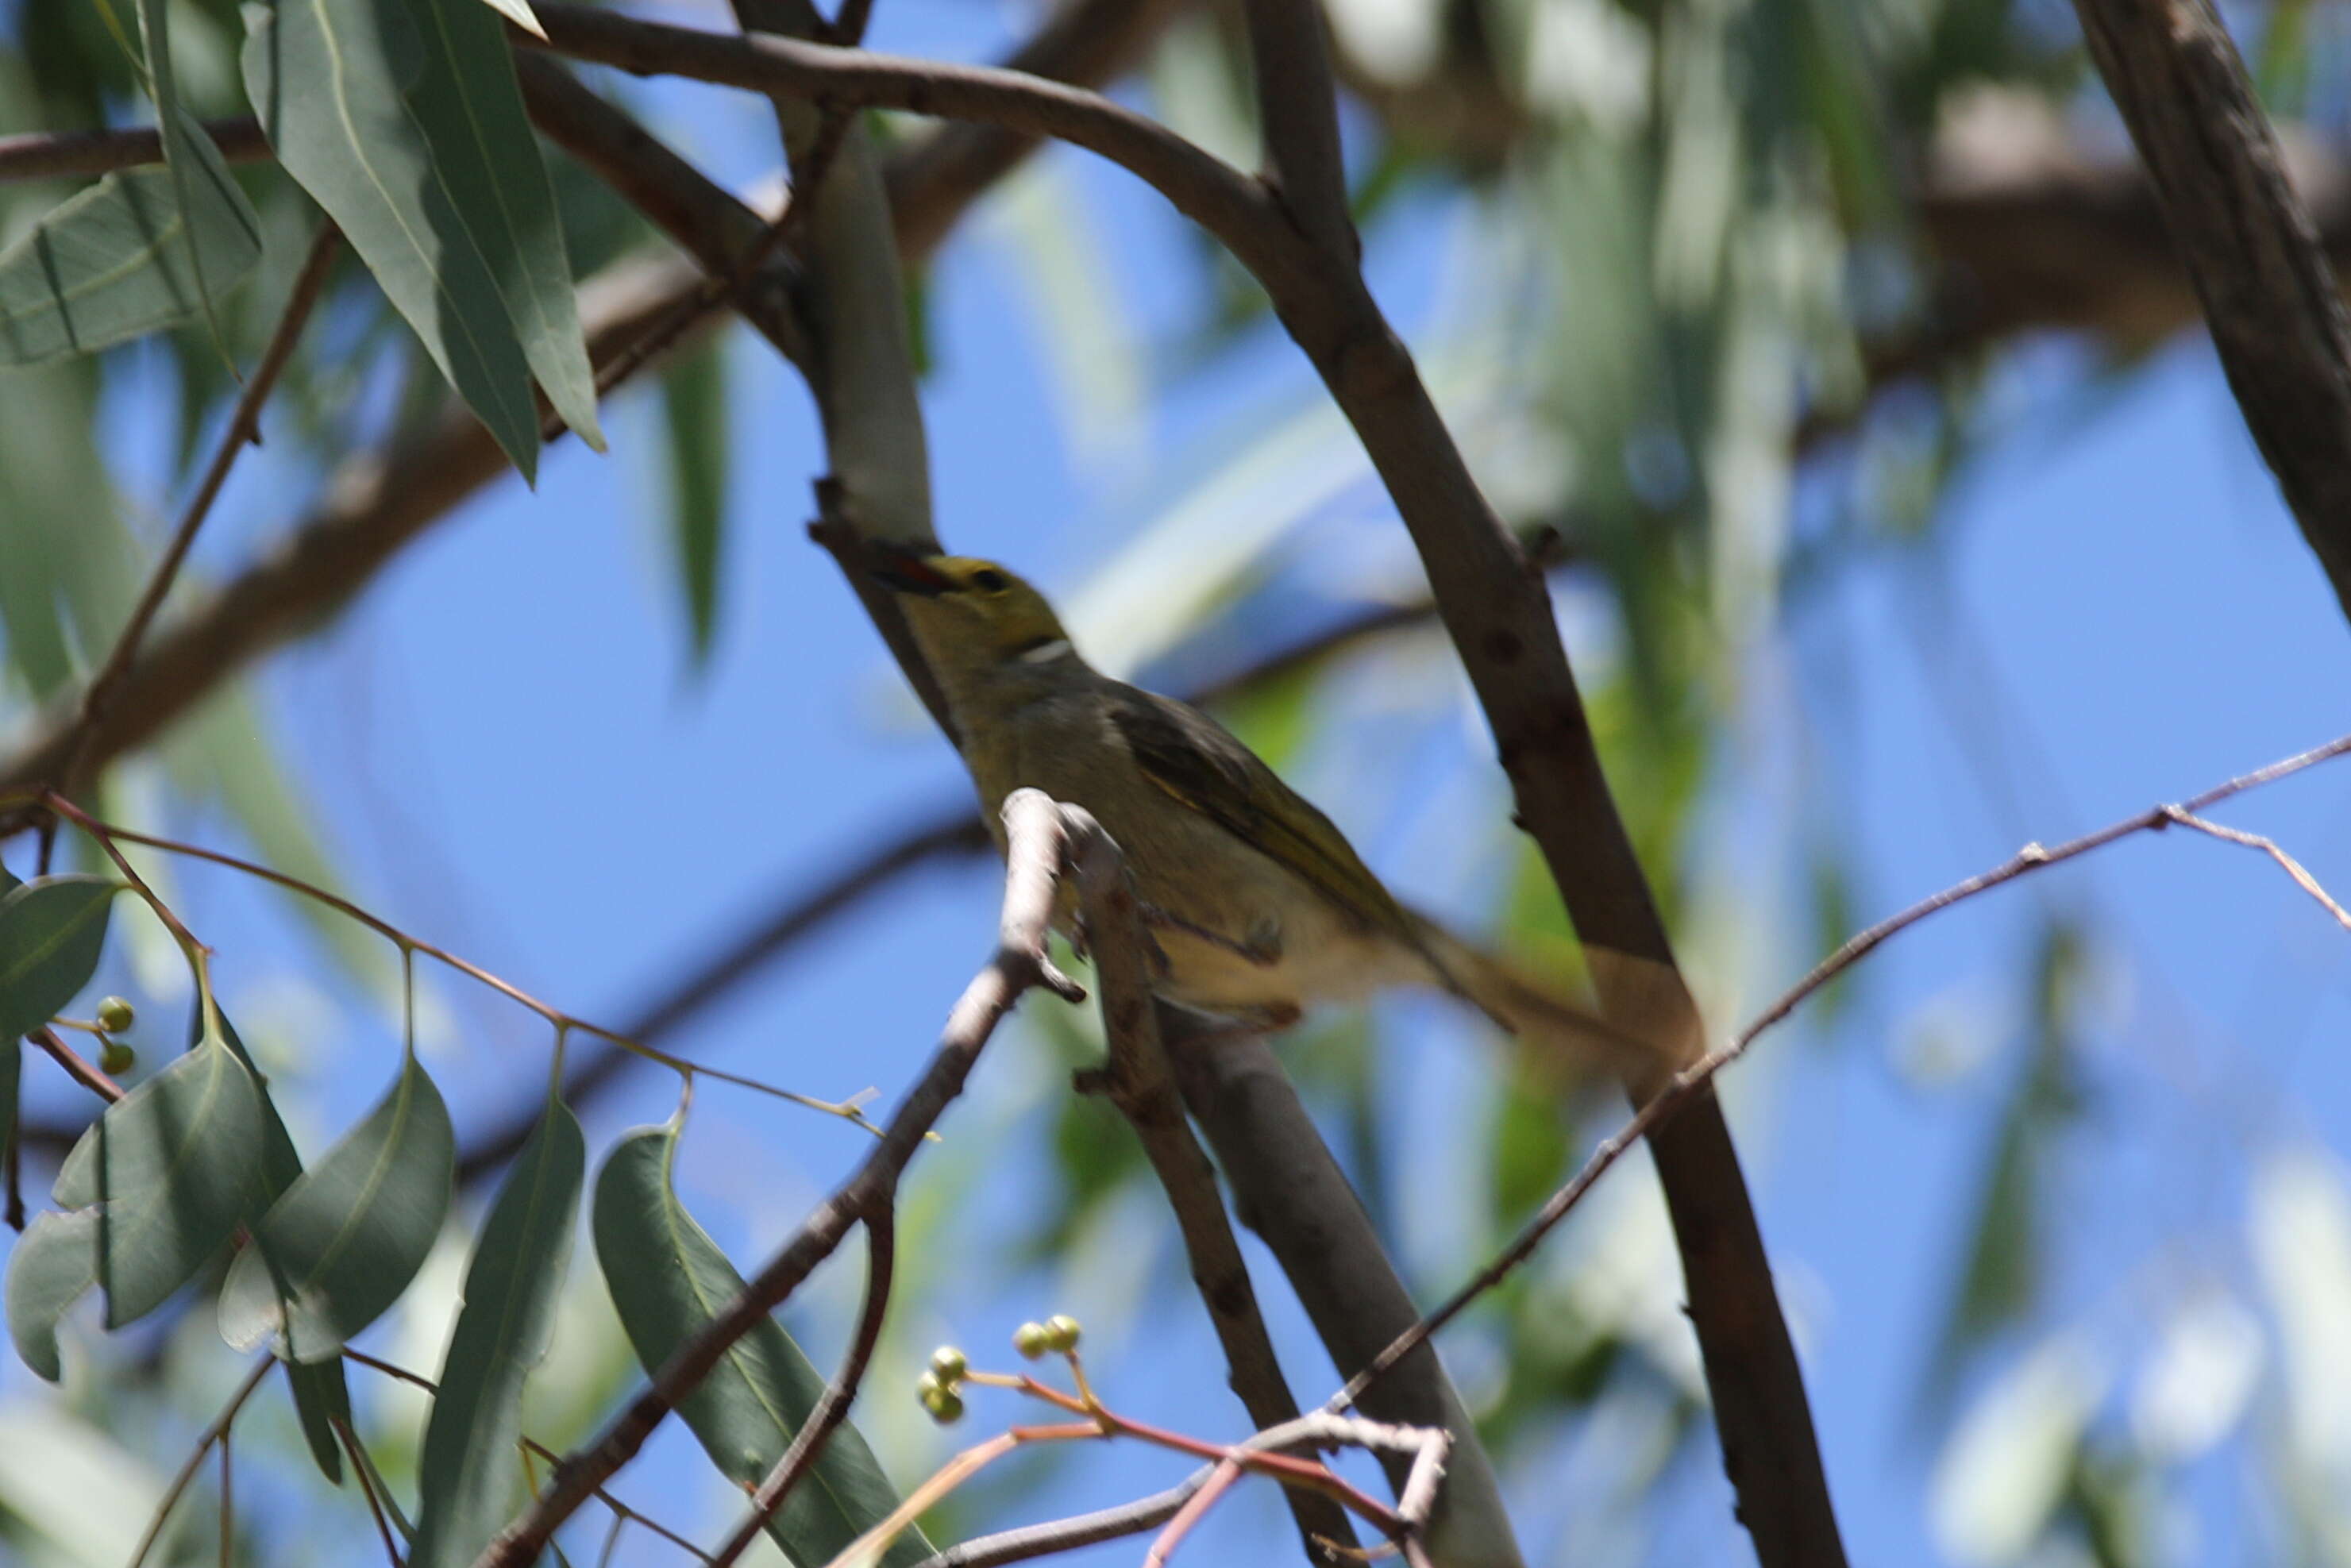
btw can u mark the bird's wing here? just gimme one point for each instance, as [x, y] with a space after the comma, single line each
[1196, 760]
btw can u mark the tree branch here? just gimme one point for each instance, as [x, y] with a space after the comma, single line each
[2249, 244]
[1033, 829]
[1140, 1083]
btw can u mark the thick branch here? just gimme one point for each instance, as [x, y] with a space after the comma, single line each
[1289, 1188]
[1140, 1083]
[2249, 245]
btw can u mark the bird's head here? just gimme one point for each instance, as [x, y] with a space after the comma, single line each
[970, 614]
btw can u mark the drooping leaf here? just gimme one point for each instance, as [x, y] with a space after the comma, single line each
[468, 1473]
[52, 931]
[471, 110]
[694, 406]
[51, 1267]
[111, 264]
[668, 1279]
[216, 208]
[343, 1242]
[171, 1170]
[321, 1396]
[328, 79]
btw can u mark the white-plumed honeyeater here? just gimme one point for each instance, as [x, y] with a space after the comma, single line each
[1260, 906]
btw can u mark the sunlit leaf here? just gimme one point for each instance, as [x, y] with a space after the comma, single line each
[668, 1279]
[52, 933]
[172, 1169]
[2004, 1470]
[694, 406]
[468, 1474]
[344, 1241]
[2299, 1227]
[108, 264]
[520, 13]
[328, 79]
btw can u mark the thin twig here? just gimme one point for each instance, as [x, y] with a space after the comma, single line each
[807, 1444]
[244, 430]
[366, 1475]
[110, 836]
[2268, 846]
[213, 1433]
[78, 1067]
[1027, 1541]
[1692, 1080]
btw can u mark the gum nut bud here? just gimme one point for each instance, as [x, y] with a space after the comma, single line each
[114, 1058]
[115, 1015]
[926, 1385]
[1061, 1332]
[948, 1364]
[1032, 1339]
[945, 1405]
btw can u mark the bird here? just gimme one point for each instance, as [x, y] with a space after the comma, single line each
[1259, 907]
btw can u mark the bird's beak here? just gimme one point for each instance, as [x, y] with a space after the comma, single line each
[906, 572]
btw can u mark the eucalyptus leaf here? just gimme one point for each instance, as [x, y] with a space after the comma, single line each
[53, 1265]
[468, 1474]
[471, 110]
[52, 932]
[171, 1170]
[110, 264]
[216, 208]
[694, 406]
[321, 1396]
[342, 1242]
[668, 1279]
[328, 78]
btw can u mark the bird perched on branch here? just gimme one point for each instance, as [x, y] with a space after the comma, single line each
[1260, 905]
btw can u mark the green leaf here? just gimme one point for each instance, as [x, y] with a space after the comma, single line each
[53, 1264]
[694, 406]
[170, 1170]
[328, 79]
[322, 1396]
[52, 930]
[668, 1279]
[520, 13]
[214, 206]
[468, 1474]
[343, 1242]
[111, 264]
[466, 100]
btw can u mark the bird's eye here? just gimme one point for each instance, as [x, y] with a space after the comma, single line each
[988, 581]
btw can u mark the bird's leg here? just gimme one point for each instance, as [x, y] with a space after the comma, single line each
[1262, 947]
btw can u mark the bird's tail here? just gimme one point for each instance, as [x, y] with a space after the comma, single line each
[1536, 1013]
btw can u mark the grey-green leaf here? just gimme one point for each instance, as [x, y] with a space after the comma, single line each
[110, 264]
[694, 406]
[343, 1242]
[214, 206]
[321, 1395]
[52, 930]
[668, 1279]
[328, 79]
[469, 1473]
[472, 112]
[51, 1267]
[170, 1170]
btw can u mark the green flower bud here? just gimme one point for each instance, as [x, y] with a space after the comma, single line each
[1032, 1339]
[114, 1058]
[115, 1015]
[945, 1405]
[948, 1364]
[1061, 1333]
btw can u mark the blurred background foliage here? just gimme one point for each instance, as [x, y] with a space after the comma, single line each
[1723, 300]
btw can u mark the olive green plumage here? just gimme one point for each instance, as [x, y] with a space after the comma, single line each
[1259, 905]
